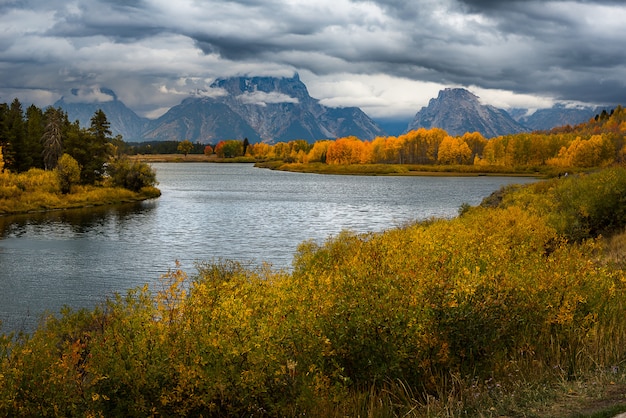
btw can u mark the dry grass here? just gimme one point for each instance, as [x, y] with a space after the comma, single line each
[615, 249]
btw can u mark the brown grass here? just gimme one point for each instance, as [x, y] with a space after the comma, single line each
[615, 250]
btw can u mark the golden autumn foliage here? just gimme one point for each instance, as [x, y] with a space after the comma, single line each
[441, 317]
[597, 143]
[454, 151]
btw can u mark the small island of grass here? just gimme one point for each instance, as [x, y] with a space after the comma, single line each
[409, 169]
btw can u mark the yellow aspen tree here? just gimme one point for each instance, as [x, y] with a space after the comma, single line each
[494, 152]
[476, 143]
[317, 154]
[454, 150]
[378, 149]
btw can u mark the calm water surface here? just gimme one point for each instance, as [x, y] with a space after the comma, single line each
[206, 211]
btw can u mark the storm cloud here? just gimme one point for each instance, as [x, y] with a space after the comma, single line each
[387, 57]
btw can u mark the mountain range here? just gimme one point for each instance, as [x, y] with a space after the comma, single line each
[124, 121]
[262, 109]
[558, 115]
[273, 109]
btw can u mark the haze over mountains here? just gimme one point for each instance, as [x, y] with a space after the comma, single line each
[271, 109]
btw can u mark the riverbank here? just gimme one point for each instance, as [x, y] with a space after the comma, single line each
[410, 169]
[361, 169]
[189, 158]
[82, 198]
[38, 191]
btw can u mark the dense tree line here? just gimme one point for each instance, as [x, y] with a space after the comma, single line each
[38, 138]
[159, 147]
[598, 142]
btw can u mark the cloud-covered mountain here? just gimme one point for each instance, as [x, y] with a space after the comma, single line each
[272, 109]
[200, 119]
[276, 109]
[81, 106]
[267, 109]
[458, 111]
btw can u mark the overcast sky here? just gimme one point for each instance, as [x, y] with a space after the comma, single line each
[387, 57]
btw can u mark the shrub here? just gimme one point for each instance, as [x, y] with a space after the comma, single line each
[495, 294]
[68, 172]
[578, 206]
[132, 175]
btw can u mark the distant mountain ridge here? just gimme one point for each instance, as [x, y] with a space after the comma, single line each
[458, 111]
[558, 115]
[123, 120]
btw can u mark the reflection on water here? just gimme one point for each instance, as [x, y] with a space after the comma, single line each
[62, 258]
[73, 221]
[206, 211]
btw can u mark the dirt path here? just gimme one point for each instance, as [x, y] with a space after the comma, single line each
[609, 401]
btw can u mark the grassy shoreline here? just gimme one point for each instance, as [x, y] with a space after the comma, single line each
[106, 197]
[94, 197]
[361, 169]
[38, 191]
[409, 170]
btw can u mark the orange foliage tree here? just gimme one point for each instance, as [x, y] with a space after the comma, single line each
[347, 150]
[318, 152]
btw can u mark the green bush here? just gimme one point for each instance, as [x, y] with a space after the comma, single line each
[579, 206]
[132, 175]
[68, 172]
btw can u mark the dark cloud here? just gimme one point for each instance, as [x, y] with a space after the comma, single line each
[118, 20]
[157, 51]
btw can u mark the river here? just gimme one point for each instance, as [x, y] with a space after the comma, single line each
[206, 212]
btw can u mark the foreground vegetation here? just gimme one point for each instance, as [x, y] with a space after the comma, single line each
[513, 306]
